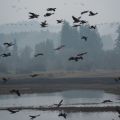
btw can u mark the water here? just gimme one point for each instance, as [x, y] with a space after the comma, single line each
[71, 98]
[45, 115]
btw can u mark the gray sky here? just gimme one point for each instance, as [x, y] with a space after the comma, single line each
[12, 11]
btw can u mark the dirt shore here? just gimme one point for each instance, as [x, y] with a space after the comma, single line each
[53, 82]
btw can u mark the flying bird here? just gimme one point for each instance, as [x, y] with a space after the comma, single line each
[60, 21]
[12, 111]
[92, 27]
[8, 44]
[17, 92]
[76, 20]
[84, 37]
[84, 12]
[76, 58]
[92, 14]
[60, 47]
[81, 54]
[76, 25]
[64, 115]
[48, 14]
[6, 54]
[106, 101]
[33, 15]
[59, 104]
[38, 54]
[83, 21]
[51, 9]
[44, 24]
[5, 79]
[33, 116]
[34, 75]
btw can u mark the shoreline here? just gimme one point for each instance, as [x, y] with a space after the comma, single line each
[68, 109]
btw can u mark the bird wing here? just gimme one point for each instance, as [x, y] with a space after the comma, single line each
[31, 13]
[74, 18]
[82, 54]
[60, 102]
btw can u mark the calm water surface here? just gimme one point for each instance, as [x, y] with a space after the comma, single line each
[71, 98]
[45, 115]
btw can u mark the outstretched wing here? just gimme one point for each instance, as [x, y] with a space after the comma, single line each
[74, 18]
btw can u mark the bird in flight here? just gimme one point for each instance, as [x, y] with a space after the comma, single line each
[76, 20]
[51, 9]
[76, 58]
[33, 116]
[6, 54]
[60, 21]
[34, 75]
[81, 54]
[84, 12]
[38, 54]
[5, 79]
[33, 15]
[17, 92]
[92, 27]
[12, 111]
[92, 14]
[60, 47]
[64, 115]
[76, 25]
[84, 37]
[59, 104]
[48, 14]
[83, 21]
[44, 24]
[8, 44]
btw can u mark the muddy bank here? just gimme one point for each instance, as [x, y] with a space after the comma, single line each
[68, 109]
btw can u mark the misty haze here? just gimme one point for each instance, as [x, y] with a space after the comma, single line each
[59, 59]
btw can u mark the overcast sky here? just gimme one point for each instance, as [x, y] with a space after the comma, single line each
[12, 11]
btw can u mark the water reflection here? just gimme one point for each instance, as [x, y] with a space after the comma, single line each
[74, 97]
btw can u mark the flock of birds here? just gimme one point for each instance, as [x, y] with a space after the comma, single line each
[77, 22]
[61, 114]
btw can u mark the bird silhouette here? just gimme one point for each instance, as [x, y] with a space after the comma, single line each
[44, 24]
[106, 101]
[83, 21]
[84, 12]
[60, 21]
[76, 20]
[76, 25]
[33, 15]
[38, 54]
[92, 14]
[34, 75]
[8, 44]
[64, 115]
[17, 92]
[6, 54]
[59, 104]
[48, 14]
[92, 27]
[81, 54]
[60, 47]
[84, 37]
[33, 116]
[51, 9]
[5, 79]
[12, 111]
[76, 58]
